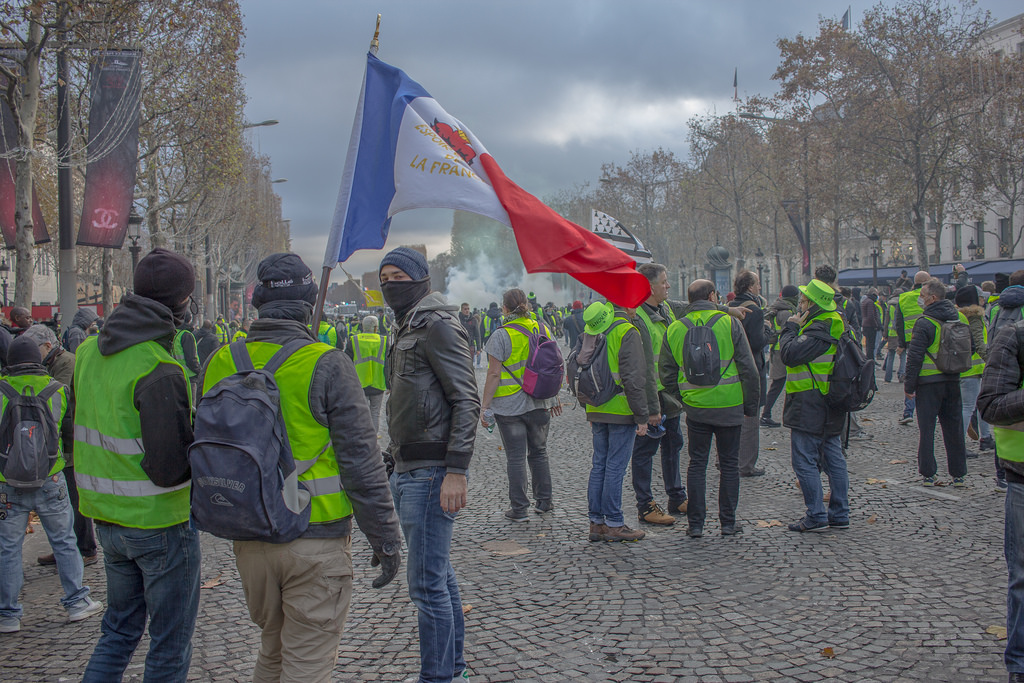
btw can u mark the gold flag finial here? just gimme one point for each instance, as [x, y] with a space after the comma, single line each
[375, 43]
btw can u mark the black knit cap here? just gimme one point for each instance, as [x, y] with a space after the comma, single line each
[165, 276]
[23, 350]
[790, 292]
[966, 296]
[283, 277]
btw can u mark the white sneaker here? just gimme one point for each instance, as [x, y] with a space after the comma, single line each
[10, 624]
[83, 609]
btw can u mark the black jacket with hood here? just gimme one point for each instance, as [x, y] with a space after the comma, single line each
[336, 402]
[1011, 303]
[433, 407]
[161, 397]
[921, 337]
[806, 411]
[79, 329]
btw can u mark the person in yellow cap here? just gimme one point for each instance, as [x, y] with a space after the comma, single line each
[807, 346]
[616, 422]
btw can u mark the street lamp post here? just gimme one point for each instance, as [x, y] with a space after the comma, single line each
[759, 255]
[134, 233]
[972, 249]
[4, 270]
[682, 279]
[875, 240]
[807, 189]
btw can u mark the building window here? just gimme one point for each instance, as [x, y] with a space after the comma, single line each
[1005, 238]
[979, 239]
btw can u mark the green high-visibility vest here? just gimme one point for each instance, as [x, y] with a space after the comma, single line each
[728, 393]
[928, 366]
[309, 440]
[241, 334]
[222, 333]
[816, 373]
[657, 332]
[326, 333]
[515, 365]
[911, 311]
[368, 353]
[977, 362]
[178, 351]
[112, 485]
[618, 404]
[892, 321]
[881, 312]
[58, 406]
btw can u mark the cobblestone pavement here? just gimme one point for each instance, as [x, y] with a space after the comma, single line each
[907, 593]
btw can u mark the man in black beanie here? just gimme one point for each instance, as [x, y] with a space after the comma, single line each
[432, 413]
[322, 403]
[133, 427]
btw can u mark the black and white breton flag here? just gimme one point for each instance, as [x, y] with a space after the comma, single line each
[616, 234]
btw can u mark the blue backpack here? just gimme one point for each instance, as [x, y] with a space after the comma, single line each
[244, 479]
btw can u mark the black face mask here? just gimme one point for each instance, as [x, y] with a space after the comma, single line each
[403, 295]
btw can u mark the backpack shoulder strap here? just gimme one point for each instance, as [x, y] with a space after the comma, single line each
[7, 390]
[240, 355]
[49, 390]
[283, 353]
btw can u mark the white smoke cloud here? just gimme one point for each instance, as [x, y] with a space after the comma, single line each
[478, 283]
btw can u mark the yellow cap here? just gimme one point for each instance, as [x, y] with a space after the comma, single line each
[820, 294]
[599, 316]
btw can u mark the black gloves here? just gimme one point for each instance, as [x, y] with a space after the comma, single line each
[389, 562]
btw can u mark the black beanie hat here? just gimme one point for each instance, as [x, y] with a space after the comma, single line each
[23, 350]
[284, 277]
[790, 292]
[408, 260]
[966, 296]
[165, 276]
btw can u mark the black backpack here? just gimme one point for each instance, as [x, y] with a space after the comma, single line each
[954, 353]
[244, 479]
[588, 373]
[851, 386]
[29, 436]
[702, 361]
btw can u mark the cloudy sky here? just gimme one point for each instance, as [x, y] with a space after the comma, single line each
[553, 88]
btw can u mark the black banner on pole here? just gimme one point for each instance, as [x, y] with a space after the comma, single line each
[113, 148]
[792, 209]
[9, 166]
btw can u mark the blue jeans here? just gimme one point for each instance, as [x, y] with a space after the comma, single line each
[890, 360]
[613, 446]
[970, 387]
[644, 449]
[154, 571]
[806, 451]
[432, 584]
[1013, 548]
[50, 502]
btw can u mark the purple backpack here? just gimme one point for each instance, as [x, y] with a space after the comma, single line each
[544, 371]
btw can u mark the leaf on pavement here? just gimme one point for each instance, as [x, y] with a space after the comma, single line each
[770, 448]
[466, 609]
[898, 461]
[998, 631]
[213, 583]
[762, 524]
[828, 653]
[872, 519]
[876, 481]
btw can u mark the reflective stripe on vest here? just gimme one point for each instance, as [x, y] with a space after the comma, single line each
[911, 311]
[112, 485]
[728, 393]
[515, 365]
[816, 373]
[618, 404]
[309, 440]
[368, 353]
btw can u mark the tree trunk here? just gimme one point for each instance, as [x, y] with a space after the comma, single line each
[26, 117]
[835, 241]
[921, 237]
[156, 235]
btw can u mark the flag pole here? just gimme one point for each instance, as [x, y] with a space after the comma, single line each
[325, 278]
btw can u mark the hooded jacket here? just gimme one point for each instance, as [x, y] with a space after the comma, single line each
[869, 315]
[79, 329]
[975, 315]
[1011, 301]
[921, 337]
[433, 407]
[161, 397]
[336, 402]
[494, 313]
[807, 411]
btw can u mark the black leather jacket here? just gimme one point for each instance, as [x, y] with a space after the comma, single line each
[433, 408]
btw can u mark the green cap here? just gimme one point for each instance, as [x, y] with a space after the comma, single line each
[599, 316]
[820, 294]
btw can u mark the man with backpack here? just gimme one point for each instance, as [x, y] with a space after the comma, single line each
[33, 407]
[807, 346]
[1001, 403]
[433, 409]
[618, 409]
[133, 426]
[939, 341]
[298, 590]
[908, 310]
[706, 361]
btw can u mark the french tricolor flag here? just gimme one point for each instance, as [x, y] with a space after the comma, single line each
[407, 152]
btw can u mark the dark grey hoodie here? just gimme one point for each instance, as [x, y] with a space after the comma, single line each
[921, 337]
[79, 329]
